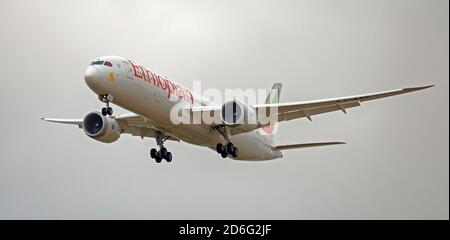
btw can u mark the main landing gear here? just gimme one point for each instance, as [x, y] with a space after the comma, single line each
[229, 148]
[106, 99]
[162, 153]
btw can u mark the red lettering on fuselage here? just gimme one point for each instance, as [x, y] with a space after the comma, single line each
[149, 75]
[170, 88]
[137, 72]
[157, 80]
[163, 83]
[144, 74]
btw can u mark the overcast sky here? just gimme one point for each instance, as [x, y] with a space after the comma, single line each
[395, 163]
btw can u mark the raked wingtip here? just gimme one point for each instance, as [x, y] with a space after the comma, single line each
[413, 89]
[424, 87]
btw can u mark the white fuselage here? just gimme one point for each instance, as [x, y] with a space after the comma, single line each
[152, 96]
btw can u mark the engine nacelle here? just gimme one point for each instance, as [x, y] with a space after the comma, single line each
[240, 115]
[101, 128]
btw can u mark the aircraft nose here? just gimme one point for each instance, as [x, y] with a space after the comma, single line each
[92, 76]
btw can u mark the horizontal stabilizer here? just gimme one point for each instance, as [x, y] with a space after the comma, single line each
[305, 145]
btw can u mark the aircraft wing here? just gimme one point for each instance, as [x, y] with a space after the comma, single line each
[137, 125]
[295, 110]
[305, 145]
[129, 123]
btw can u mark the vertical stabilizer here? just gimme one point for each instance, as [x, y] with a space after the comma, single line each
[274, 94]
[273, 97]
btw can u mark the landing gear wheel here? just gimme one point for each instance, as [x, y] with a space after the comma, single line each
[107, 110]
[224, 154]
[158, 158]
[163, 152]
[153, 153]
[219, 148]
[235, 152]
[168, 157]
[230, 148]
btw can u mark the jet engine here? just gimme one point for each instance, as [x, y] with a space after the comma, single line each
[101, 128]
[239, 115]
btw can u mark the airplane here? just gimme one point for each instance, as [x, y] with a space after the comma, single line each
[150, 97]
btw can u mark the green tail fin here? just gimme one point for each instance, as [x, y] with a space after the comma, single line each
[274, 94]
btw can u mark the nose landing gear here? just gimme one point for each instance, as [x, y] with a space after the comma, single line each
[162, 153]
[107, 111]
[106, 99]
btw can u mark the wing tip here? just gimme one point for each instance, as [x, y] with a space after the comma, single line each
[334, 143]
[425, 87]
[46, 119]
[306, 145]
[419, 88]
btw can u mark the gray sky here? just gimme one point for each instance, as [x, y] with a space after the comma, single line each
[394, 166]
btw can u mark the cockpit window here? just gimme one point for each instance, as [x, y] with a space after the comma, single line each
[109, 64]
[97, 63]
